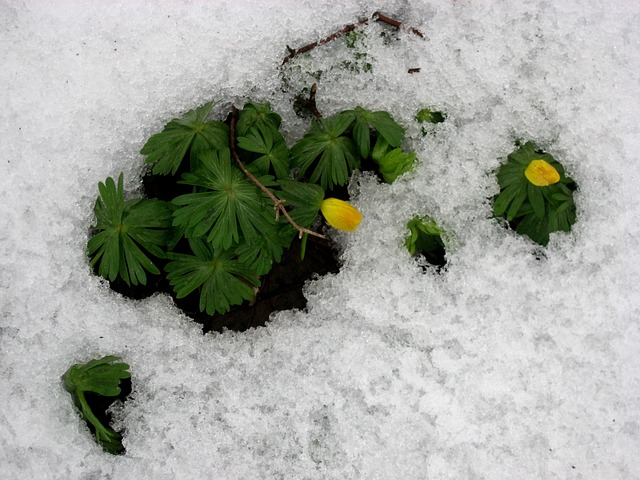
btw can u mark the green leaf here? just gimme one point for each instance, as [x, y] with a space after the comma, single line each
[425, 238]
[505, 197]
[333, 155]
[222, 279]
[257, 115]
[362, 136]
[230, 204]
[380, 149]
[517, 202]
[101, 377]
[428, 116]
[210, 136]
[305, 198]
[511, 173]
[270, 143]
[260, 253]
[536, 200]
[167, 149]
[123, 230]
[535, 228]
[396, 163]
[382, 123]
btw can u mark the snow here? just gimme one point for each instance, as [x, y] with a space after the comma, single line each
[515, 362]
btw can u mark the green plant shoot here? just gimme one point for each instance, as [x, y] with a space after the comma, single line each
[101, 377]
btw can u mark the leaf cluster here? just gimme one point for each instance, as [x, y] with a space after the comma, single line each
[531, 210]
[100, 377]
[219, 234]
[336, 146]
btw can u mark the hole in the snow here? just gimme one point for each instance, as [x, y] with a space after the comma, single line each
[425, 242]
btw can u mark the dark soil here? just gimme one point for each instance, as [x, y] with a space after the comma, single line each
[281, 288]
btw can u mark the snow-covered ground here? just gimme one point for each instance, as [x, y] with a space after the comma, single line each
[505, 366]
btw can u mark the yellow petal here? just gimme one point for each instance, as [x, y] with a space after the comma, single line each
[541, 174]
[340, 214]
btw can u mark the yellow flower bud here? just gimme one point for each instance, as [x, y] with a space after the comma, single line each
[541, 174]
[340, 214]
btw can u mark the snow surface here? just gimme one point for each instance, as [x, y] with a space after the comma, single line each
[511, 364]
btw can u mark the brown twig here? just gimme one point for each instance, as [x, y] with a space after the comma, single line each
[349, 28]
[377, 16]
[277, 203]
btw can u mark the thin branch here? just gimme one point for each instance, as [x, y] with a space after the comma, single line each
[277, 203]
[377, 16]
[349, 28]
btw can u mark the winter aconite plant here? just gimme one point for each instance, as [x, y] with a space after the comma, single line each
[536, 197]
[240, 198]
[101, 378]
[124, 231]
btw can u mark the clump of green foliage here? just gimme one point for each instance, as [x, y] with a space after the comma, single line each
[532, 210]
[237, 198]
[100, 377]
[425, 239]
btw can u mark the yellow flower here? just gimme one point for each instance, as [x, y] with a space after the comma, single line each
[541, 174]
[340, 214]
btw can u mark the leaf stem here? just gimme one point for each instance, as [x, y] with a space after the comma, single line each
[277, 203]
[311, 103]
[90, 417]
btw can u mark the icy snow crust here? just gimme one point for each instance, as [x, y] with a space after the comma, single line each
[511, 364]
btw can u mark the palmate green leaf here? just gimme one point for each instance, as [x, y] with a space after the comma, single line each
[270, 143]
[167, 149]
[333, 155]
[539, 229]
[381, 122]
[228, 206]
[222, 279]
[260, 253]
[256, 115]
[528, 152]
[124, 230]
[101, 377]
